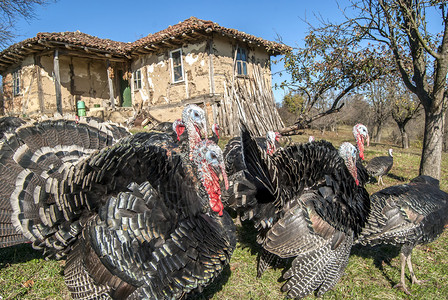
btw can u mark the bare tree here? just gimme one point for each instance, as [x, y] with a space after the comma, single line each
[405, 107]
[421, 58]
[377, 95]
[11, 11]
[328, 64]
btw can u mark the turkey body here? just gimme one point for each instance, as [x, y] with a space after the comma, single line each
[306, 205]
[233, 155]
[407, 215]
[134, 219]
[380, 166]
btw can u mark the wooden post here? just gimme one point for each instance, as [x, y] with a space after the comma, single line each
[40, 92]
[111, 85]
[57, 81]
[72, 87]
[211, 67]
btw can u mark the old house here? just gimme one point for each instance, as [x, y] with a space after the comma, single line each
[189, 62]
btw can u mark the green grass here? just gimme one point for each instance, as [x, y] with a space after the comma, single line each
[371, 273]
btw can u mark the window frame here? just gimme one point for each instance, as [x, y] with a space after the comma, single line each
[181, 66]
[16, 83]
[137, 79]
[241, 62]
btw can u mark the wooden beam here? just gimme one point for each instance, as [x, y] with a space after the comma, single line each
[111, 85]
[57, 81]
[40, 91]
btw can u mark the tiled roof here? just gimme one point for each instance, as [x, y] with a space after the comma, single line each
[82, 39]
[194, 24]
[190, 27]
[76, 38]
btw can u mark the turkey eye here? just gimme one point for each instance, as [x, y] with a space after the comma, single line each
[211, 156]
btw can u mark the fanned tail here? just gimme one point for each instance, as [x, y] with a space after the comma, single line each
[34, 162]
[318, 270]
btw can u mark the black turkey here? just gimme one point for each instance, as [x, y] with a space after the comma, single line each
[233, 156]
[33, 163]
[308, 203]
[380, 166]
[407, 215]
[9, 124]
[163, 237]
[164, 127]
[235, 168]
[185, 132]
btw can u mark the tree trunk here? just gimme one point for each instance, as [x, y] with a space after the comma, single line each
[431, 161]
[404, 137]
[377, 136]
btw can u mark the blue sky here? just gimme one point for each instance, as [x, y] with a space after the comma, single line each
[127, 21]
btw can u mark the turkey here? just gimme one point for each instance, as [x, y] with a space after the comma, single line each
[185, 132]
[308, 203]
[9, 124]
[235, 168]
[361, 135]
[164, 127]
[33, 161]
[233, 151]
[380, 166]
[407, 215]
[215, 133]
[132, 218]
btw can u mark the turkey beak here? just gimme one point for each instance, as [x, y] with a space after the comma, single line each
[201, 128]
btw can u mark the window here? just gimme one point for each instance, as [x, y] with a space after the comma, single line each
[176, 65]
[16, 83]
[241, 61]
[137, 80]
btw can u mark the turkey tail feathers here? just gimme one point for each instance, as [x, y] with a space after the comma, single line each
[34, 162]
[318, 270]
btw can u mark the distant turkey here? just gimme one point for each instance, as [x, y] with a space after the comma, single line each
[9, 124]
[215, 133]
[308, 203]
[361, 135]
[134, 219]
[380, 166]
[407, 215]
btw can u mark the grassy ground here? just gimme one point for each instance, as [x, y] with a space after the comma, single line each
[371, 273]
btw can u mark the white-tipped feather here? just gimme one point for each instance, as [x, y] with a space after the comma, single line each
[20, 152]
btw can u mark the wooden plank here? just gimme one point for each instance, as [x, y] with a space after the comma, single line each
[57, 81]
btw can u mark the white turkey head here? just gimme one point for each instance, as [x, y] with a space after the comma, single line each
[348, 152]
[390, 152]
[193, 117]
[271, 139]
[361, 135]
[311, 139]
[179, 128]
[208, 158]
[215, 129]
